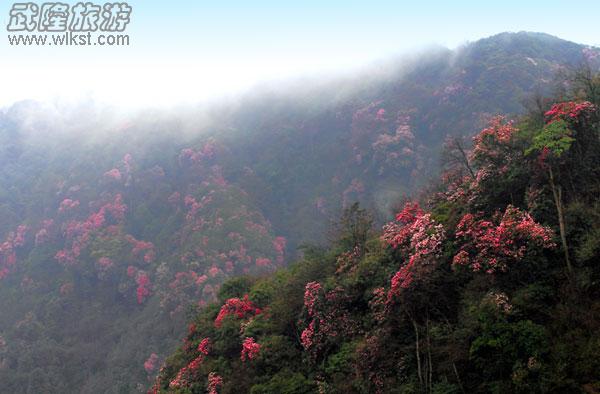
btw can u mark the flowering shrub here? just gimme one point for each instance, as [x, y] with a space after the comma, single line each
[240, 308]
[43, 234]
[143, 289]
[396, 151]
[8, 249]
[492, 142]
[570, 111]
[142, 248]
[327, 318]
[67, 204]
[151, 363]
[346, 262]
[419, 238]
[188, 374]
[311, 294]
[493, 247]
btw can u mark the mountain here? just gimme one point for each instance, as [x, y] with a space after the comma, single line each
[489, 284]
[116, 226]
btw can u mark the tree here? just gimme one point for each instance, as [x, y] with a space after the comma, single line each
[567, 126]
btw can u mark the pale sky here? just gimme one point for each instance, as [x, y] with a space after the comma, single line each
[184, 51]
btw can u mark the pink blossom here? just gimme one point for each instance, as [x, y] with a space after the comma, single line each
[213, 271]
[250, 349]
[143, 289]
[151, 363]
[214, 383]
[105, 262]
[204, 346]
[263, 262]
[113, 174]
[67, 204]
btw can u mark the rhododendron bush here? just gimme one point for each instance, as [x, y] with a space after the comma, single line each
[238, 308]
[419, 238]
[327, 318]
[490, 247]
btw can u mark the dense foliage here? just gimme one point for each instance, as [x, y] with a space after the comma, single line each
[490, 283]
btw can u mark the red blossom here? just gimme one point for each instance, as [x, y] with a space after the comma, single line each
[240, 308]
[204, 346]
[311, 294]
[419, 238]
[489, 142]
[307, 335]
[214, 383]
[250, 349]
[491, 247]
[569, 111]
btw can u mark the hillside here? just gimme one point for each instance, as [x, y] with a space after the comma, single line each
[116, 228]
[488, 284]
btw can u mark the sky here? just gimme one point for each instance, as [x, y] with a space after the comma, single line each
[186, 51]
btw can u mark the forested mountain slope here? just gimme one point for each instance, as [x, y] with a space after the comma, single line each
[113, 225]
[489, 284]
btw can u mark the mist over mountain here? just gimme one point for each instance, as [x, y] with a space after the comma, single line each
[118, 226]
